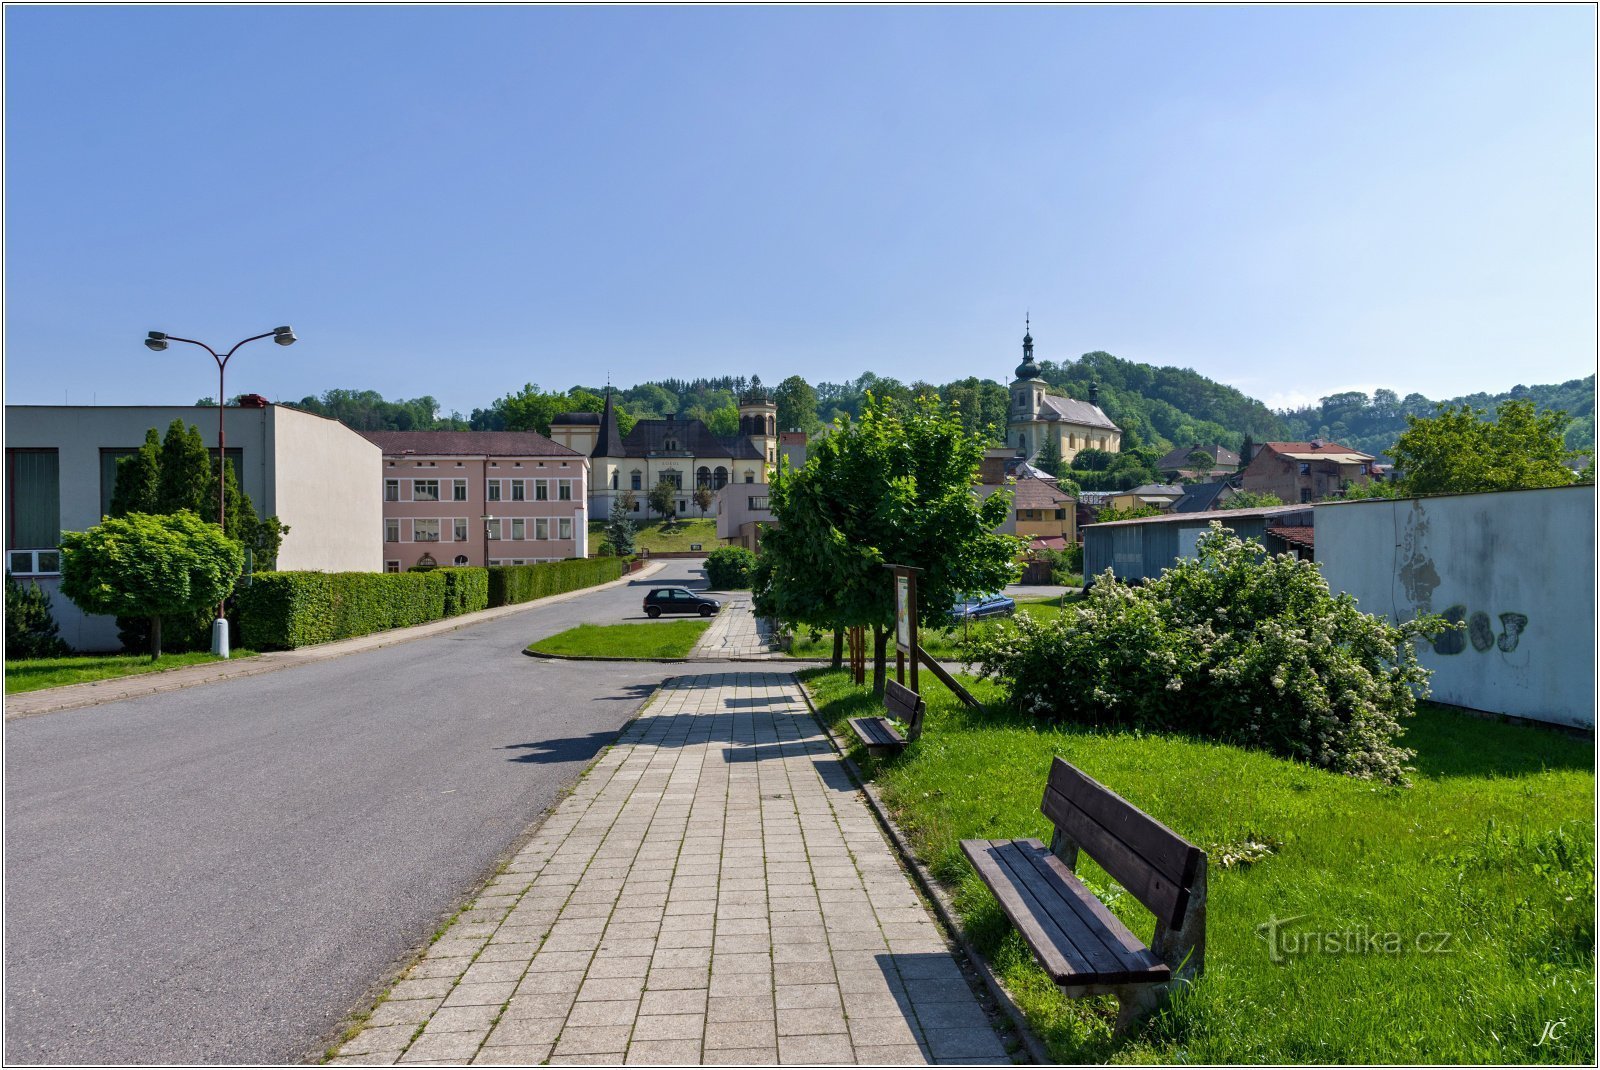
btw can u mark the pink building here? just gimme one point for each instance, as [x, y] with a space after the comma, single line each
[480, 497]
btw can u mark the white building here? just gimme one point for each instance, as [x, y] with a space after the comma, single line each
[319, 477]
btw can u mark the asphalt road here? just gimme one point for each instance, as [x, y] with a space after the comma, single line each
[220, 874]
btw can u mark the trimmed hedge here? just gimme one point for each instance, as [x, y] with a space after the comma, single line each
[510, 584]
[284, 610]
[466, 590]
[729, 568]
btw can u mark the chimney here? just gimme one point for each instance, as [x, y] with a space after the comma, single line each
[992, 469]
[1094, 394]
[669, 417]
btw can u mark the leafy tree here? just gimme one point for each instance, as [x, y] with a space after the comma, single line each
[1092, 460]
[1251, 499]
[797, 406]
[702, 498]
[619, 527]
[138, 480]
[148, 566]
[723, 421]
[1132, 512]
[895, 486]
[1200, 461]
[1462, 450]
[30, 627]
[662, 497]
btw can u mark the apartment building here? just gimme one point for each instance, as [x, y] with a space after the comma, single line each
[480, 498]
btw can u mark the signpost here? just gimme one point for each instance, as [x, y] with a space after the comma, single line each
[906, 646]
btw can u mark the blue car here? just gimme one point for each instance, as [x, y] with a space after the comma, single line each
[984, 606]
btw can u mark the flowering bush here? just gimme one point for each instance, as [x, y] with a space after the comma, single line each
[1231, 645]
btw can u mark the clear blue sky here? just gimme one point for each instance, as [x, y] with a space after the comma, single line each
[455, 201]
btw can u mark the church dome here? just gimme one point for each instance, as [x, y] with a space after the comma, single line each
[1028, 369]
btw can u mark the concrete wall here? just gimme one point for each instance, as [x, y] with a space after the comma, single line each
[328, 487]
[1517, 566]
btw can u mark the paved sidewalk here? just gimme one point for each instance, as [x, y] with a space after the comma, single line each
[737, 633]
[714, 890]
[95, 692]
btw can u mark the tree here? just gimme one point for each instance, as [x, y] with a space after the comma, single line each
[1250, 499]
[1049, 459]
[1092, 460]
[1462, 451]
[797, 406]
[702, 499]
[662, 498]
[1133, 512]
[138, 481]
[895, 486]
[619, 527]
[723, 421]
[148, 566]
[1200, 461]
[186, 480]
[30, 628]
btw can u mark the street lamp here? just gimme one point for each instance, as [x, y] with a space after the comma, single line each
[156, 341]
[487, 520]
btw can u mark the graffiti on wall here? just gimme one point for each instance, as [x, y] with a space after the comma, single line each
[1480, 632]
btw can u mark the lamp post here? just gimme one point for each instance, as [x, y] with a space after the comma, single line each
[156, 341]
[487, 520]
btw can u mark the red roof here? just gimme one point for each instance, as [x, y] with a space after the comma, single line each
[1048, 542]
[1296, 536]
[1309, 447]
[467, 444]
[1031, 493]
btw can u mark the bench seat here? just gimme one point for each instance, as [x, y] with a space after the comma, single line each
[1079, 942]
[878, 735]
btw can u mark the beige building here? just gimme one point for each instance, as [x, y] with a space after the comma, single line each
[1038, 416]
[316, 475]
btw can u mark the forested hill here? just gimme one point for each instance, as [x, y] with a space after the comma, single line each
[1161, 407]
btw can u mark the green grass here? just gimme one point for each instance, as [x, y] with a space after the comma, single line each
[650, 536]
[35, 674]
[1494, 844]
[943, 644]
[666, 639]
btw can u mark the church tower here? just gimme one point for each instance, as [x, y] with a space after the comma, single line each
[758, 420]
[1027, 402]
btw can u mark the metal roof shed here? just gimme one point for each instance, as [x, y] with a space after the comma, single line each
[1140, 549]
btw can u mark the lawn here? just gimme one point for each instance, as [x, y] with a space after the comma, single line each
[1493, 845]
[650, 536]
[666, 639]
[943, 644]
[34, 674]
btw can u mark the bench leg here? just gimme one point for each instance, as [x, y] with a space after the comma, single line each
[1135, 1003]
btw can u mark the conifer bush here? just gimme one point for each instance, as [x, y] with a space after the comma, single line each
[1230, 645]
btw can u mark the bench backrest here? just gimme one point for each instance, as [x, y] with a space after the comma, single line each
[906, 705]
[1148, 859]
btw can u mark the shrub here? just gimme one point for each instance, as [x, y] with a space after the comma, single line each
[730, 568]
[466, 590]
[284, 610]
[1230, 645]
[510, 584]
[30, 627]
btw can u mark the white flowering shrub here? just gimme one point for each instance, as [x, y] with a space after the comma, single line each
[1231, 645]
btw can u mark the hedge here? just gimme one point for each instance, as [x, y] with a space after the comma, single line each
[510, 584]
[284, 610]
[466, 590]
[729, 568]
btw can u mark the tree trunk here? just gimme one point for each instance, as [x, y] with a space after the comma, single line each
[838, 647]
[880, 643]
[155, 638]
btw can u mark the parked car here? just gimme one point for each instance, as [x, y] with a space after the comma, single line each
[983, 606]
[678, 600]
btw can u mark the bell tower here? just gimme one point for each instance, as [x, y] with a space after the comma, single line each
[1024, 428]
[758, 420]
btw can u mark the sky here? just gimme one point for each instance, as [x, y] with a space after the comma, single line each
[457, 201]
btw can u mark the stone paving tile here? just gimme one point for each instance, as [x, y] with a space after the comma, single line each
[714, 890]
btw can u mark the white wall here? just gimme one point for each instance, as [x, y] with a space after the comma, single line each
[1518, 566]
[329, 490]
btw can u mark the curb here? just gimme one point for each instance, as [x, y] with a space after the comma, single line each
[935, 893]
[99, 692]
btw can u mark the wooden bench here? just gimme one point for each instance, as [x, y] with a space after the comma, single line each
[878, 734]
[1081, 944]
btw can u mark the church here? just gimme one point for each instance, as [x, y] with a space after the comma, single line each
[684, 453]
[1038, 416]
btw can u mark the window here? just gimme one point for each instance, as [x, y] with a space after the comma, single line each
[108, 475]
[36, 562]
[1364, 469]
[425, 530]
[636, 507]
[461, 560]
[391, 490]
[564, 529]
[541, 490]
[425, 490]
[33, 498]
[460, 490]
[638, 480]
[391, 530]
[702, 477]
[541, 528]
[670, 444]
[519, 490]
[614, 474]
[673, 476]
[519, 530]
[494, 490]
[719, 478]
[461, 529]
[759, 501]
[564, 490]
[492, 527]
[1305, 468]
[749, 476]
[1305, 495]
[391, 566]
